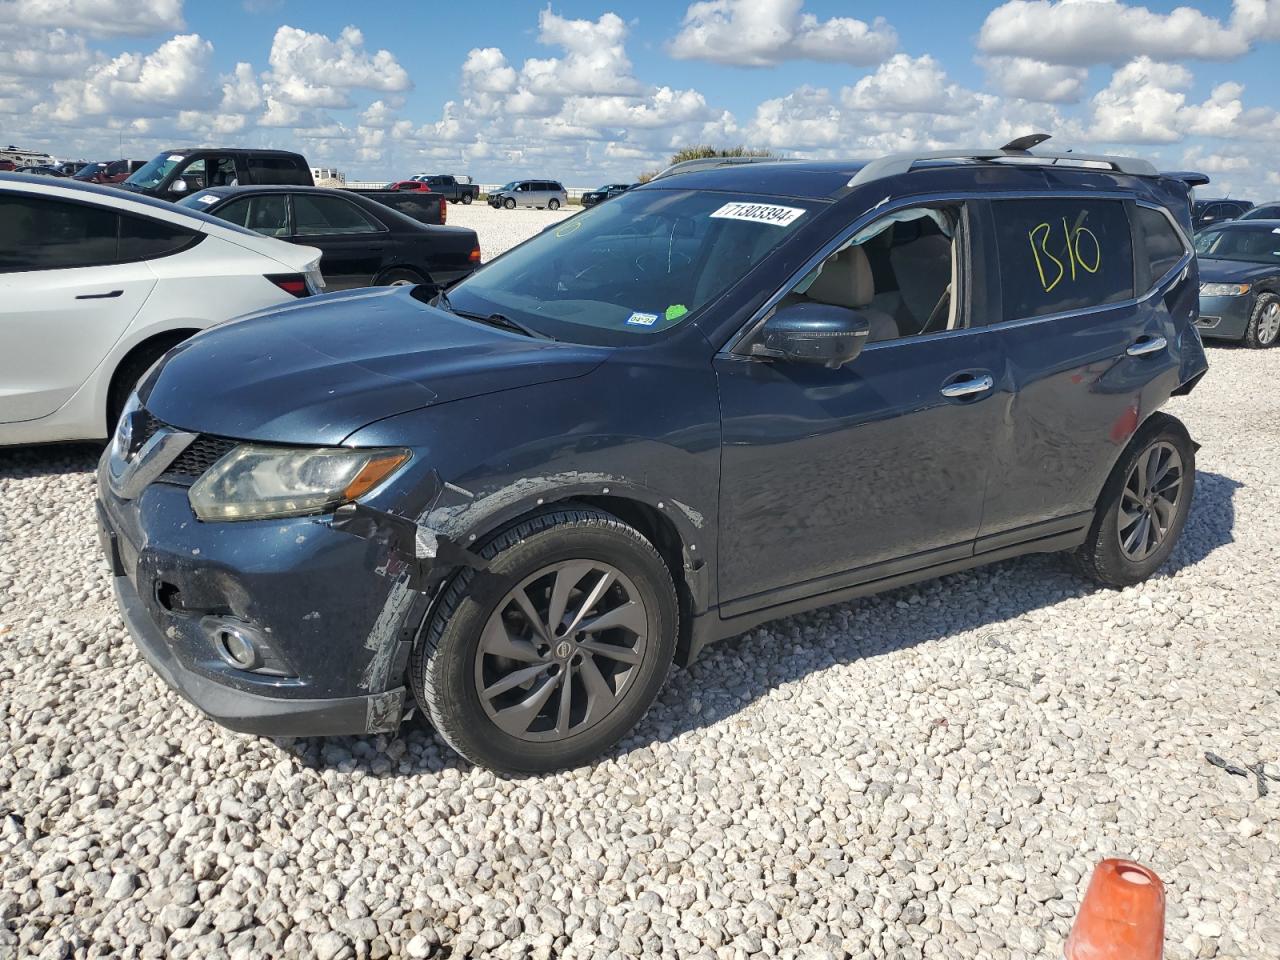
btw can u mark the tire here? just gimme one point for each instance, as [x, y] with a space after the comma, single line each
[129, 373]
[553, 204]
[1264, 323]
[400, 277]
[453, 659]
[466, 199]
[1113, 554]
[509, 203]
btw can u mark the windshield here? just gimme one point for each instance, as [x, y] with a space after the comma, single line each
[151, 174]
[1259, 245]
[89, 169]
[643, 263]
[508, 186]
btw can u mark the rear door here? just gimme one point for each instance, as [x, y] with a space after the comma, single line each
[1086, 359]
[353, 243]
[65, 299]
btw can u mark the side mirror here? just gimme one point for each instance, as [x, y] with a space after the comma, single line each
[178, 186]
[813, 333]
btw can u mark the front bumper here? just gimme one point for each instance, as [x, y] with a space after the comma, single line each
[252, 712]
[328, 613]
[1225, 318]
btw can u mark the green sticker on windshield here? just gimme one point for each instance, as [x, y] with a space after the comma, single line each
[676, 311]
[568, 228]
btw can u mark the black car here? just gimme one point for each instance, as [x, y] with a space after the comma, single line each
[1270, 210]
[1240, 282]
[721, 398]
[1205, 213]
[364, 242]
[42, 170]
[173, 174]
[609, 190]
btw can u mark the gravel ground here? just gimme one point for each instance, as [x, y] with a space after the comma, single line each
[500, 230]
[930, 773]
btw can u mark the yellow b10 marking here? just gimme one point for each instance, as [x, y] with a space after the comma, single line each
[1038, 236]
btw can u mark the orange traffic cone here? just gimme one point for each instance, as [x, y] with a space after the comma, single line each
[1122, 916]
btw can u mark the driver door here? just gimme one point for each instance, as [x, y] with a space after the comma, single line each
[832, 478]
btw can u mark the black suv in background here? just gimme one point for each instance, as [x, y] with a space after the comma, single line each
[720, 398]
[1205, 213]
[175, 173]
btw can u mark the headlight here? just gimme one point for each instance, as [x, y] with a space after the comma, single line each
[255, 482]
[1224, 289]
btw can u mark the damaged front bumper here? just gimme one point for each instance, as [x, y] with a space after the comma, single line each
[257, 713]
[274, 627]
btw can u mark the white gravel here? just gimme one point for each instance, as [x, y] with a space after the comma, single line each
[930, 773]
[499, 230]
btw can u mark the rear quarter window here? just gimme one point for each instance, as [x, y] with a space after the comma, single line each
[145, 239]
[1160, 243]
[1062, 255]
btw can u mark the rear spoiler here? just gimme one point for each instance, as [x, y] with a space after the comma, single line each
[1191, 178]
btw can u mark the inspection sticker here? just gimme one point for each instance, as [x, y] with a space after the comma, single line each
[642, 319]
[759, 213]
[175, 156]
[208, 198]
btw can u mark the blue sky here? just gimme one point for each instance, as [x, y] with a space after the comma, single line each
[587, 91]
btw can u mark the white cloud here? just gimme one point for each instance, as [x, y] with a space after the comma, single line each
[1026, 79]
[904, 84]
[32, 52]
[174, 76]
[760, 33]
[595, 61]
[311, 70]
[97, 17]
[487, 71]
[1106, 31]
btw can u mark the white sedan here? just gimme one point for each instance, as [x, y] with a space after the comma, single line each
[95, 286]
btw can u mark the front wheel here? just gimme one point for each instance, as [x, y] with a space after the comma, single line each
[509, 203]
[1143, 507]
[1264, 322]
[556, 650]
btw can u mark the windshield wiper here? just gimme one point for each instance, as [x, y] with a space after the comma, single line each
[500, 320]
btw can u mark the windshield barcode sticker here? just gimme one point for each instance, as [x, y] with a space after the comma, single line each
[759, 213]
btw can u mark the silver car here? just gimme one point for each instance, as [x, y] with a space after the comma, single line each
[530, 193]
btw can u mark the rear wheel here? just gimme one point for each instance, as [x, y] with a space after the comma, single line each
[553, 204]
[400, 278]
[1264, 323]
[556, 650]
[509, 203]
[466, 199]
[1143, 506]
[131, 371]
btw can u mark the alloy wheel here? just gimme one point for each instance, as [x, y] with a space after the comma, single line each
[1269, 323]
[560, 650]
[1150, 501]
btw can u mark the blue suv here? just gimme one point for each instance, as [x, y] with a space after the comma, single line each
[723, 397]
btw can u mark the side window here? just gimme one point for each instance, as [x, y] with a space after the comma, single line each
[142, 238]
[278, 170]
[267, 215]
[315, 216]
[1162, 245]
[1061, 255]
[900, 272]
[194, 174]
[41, 234]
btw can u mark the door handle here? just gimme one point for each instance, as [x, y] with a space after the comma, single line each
[968, 388]
[1146, 345]
[100, 296]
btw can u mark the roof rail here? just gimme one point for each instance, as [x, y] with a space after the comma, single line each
[708, 163]
[899, 163]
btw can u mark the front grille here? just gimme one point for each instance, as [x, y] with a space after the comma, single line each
[200, 455]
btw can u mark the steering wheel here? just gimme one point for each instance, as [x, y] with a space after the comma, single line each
[650, 263]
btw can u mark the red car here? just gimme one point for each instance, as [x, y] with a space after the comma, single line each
[7, 166]
[108, 171]
[409, 186]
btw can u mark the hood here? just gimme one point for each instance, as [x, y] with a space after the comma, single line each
[315, 371]
[1235, 271]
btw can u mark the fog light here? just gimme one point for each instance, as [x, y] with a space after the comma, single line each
[237, 648]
